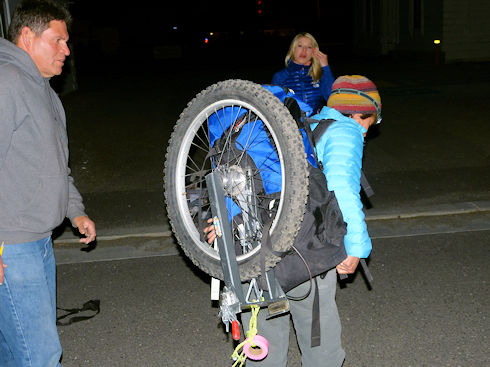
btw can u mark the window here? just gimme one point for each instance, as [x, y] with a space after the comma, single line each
[4, 17]
[416, 17]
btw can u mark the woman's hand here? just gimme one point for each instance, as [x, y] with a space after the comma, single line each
[321, 57]
[348, 265]
[209, 232]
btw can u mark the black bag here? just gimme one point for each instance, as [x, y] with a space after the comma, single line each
[319, 245]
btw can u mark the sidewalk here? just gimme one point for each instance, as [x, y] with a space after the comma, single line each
[372, 216]
[154, 241]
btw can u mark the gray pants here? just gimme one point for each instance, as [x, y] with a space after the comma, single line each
[276, 330]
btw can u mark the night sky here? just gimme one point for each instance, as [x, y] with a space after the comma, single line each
[186, 23]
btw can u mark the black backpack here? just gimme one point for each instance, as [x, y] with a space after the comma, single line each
[319, 245]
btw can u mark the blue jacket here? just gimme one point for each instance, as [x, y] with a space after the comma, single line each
[296, 77]
[340, 149]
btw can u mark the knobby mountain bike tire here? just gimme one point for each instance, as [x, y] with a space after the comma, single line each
[226, 128]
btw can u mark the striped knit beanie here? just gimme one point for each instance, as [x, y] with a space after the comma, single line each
[349, 95]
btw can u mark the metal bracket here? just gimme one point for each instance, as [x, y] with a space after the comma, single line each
[274, 298]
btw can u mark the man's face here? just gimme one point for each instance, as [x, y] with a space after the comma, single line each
[49, 50]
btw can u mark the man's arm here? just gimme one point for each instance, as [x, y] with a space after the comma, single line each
[76, 213]
[7, 122]
[7, 127]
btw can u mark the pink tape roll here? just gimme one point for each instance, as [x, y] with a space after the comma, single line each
[259, 351]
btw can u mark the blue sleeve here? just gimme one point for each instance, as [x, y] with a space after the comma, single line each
[280, 77]
[340, 150]
[326, 82]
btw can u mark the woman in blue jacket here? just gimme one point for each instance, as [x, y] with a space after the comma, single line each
[307, 72]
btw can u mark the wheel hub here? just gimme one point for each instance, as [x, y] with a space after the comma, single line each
[234, 180]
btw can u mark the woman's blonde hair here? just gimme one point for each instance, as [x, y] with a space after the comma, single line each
[315, 69]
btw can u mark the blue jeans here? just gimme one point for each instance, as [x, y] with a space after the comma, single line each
[276, 330]
[28, 333]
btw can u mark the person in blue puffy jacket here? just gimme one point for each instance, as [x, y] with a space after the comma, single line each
[307, 72]
[355, 105]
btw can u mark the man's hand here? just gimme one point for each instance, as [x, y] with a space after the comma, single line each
[2, 266]
[86, 227]
[348, 265]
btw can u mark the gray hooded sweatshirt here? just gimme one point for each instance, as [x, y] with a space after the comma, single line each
[36, 189]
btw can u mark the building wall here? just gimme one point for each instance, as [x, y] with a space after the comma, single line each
[411, 26]
[420, 24]
[367, 21]
[466, 30]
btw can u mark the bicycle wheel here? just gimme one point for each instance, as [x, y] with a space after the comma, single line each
[244, 132]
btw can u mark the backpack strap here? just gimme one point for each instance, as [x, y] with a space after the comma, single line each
[366, 186]
[320, 129]
[294, 109]
[313, 137]
[92, 305]
[315, 318]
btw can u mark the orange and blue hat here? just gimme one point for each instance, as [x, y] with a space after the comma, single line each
[355, 94]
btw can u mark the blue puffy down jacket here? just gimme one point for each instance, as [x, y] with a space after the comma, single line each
[296, 78]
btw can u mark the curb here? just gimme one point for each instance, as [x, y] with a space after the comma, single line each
[428, 210]
[111, 234]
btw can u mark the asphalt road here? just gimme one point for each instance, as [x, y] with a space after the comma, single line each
[429, 164]
[429, 304]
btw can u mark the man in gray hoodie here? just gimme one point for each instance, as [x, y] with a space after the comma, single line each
[36, 189]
